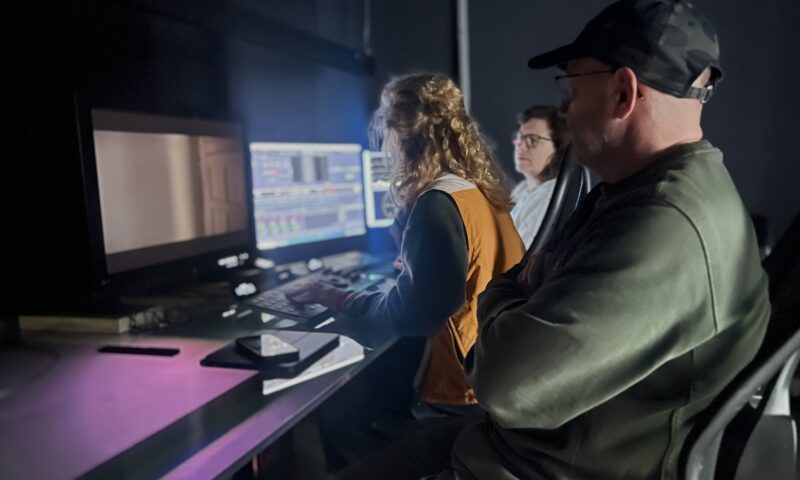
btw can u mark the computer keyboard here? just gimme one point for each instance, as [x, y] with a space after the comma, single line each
[275, 302]
[339, 264]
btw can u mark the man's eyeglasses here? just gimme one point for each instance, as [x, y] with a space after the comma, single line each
[565, 86]
[530, 140]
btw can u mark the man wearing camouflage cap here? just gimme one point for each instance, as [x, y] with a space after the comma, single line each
[597, 354]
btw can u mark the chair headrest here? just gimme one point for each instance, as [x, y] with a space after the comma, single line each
[572, 184]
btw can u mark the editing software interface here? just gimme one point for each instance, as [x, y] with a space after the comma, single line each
[169, 187]
[378, 169]
[306, 192]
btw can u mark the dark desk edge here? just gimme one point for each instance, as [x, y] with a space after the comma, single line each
[220, 437]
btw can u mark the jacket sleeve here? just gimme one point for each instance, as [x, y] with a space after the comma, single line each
[634, 294]
[432, 285]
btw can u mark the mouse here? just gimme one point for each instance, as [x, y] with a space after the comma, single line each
[314, 264]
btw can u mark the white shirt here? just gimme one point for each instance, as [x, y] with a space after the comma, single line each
[531, 200]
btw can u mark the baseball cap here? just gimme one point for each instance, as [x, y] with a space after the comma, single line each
[666, 42]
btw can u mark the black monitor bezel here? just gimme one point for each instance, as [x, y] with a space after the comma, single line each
[162, 274]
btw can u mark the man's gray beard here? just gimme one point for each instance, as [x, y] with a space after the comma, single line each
[589, 148]
[591, 145]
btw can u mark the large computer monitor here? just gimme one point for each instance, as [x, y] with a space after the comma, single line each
[380, 209]
[164, 191]
[306, 192]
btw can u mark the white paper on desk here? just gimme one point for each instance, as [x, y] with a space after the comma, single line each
[348, 352]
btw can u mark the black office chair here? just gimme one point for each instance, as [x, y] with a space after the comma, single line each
[572, 184]
[749, 432]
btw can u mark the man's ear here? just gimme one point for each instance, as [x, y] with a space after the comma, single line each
[625, 92]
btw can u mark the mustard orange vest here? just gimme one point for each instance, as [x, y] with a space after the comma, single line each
[493, 247]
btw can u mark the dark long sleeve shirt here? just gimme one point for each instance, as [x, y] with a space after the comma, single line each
[431, 286]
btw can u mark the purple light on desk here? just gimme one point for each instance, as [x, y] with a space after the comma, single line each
[92, 406]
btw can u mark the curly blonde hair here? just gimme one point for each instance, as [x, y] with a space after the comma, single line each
[423, 124]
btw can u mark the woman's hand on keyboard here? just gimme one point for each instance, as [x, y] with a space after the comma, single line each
[317, 292]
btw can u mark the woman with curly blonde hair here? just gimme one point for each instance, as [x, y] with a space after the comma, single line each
[432, 135]
[457, 233]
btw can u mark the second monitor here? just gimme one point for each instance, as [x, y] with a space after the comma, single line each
[306, 192]
[378, 167]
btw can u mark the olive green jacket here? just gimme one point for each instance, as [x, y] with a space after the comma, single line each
[653, 298]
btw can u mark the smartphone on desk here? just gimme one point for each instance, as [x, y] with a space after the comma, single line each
[268, 347]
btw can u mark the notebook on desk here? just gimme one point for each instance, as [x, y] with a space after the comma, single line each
[311, 347]
[347, 353]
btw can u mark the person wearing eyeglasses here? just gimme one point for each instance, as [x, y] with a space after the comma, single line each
[539, 144]
[600, 353]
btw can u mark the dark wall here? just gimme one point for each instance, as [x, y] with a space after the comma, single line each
[753, 117]
[503, 36]
[411, 36]
[756, 116]
[292, 71]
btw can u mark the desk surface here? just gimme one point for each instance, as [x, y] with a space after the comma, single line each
[134, 416]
